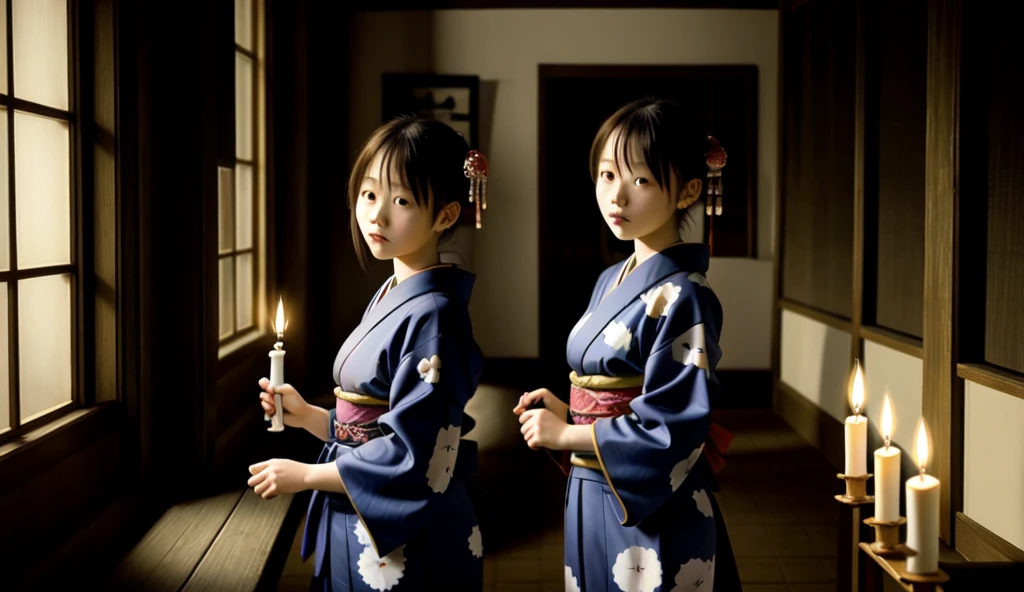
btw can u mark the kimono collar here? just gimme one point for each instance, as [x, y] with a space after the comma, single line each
[448, 279]
[689, 257]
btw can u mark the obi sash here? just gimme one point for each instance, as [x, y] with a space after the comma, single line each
[356, 417]
[595, 397]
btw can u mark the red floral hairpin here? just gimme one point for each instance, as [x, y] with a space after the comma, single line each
[475, 168]
[716, 158]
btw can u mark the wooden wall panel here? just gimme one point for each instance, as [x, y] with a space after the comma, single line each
[817, 266]
[896, 165]
[1004, 313]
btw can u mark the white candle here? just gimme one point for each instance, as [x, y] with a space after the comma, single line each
[277, 370]
[856, 445]
[857, 431]
[887, 472]
[923, 513]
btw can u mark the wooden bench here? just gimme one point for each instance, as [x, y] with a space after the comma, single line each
[234, 541]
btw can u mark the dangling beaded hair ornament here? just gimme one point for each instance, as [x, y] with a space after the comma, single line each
[475, 168]
[715, 159]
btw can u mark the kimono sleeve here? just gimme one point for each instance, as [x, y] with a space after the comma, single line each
[646, 455]
[394, 481]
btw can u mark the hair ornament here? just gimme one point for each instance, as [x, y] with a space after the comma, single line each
[715, 159]
[475, 168]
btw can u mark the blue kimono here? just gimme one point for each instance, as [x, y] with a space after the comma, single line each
[404, 376]
[639, 513]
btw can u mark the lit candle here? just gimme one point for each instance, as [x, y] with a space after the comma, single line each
[923, 513]
[887, 472]
[857, 431]
[277, 370]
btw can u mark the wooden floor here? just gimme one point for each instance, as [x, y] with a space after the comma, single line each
[776, 499]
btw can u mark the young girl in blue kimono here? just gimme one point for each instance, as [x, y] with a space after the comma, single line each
[640, 514]
[389, 509]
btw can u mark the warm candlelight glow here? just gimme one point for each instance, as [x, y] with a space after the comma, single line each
[858, 390]
[921, 449]
[886, 420]
[279, 323]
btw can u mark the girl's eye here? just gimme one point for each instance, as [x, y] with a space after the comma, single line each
[401, 201]
[608, 176]
[369, 195]
[640, 181]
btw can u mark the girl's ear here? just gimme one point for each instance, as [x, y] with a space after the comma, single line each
[690, 194]
[447, 217]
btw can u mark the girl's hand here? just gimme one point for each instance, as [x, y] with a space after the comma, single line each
[543, 429]
[544, 396]
[295, 407]
[278, 476]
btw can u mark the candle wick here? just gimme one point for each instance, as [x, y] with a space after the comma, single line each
[887, 443]
[922, 473]
[278, 345]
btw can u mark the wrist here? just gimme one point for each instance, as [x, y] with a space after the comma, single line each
[323, 477]
[564, 440]
[577, 438]
[308, 476]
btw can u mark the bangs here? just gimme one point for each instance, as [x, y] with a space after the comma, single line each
[396, 146]
[636, 142]
[659, 134]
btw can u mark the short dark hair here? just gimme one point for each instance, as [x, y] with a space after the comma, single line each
[670, 140]
[430, 156]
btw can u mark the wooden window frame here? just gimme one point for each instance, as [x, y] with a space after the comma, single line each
[241, 337]
[79, 234]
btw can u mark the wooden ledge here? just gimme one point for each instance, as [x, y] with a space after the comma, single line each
[994, 378]
[233, 541]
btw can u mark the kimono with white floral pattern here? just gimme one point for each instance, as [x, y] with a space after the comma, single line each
[643, 520]
[407, 522]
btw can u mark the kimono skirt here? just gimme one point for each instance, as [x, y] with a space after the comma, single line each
[602, 554]
[345, 559]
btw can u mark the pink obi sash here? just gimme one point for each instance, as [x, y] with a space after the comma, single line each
[355, 417]
[587, 405]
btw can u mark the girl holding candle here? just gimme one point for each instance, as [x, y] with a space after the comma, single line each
[639, 509]
[390, 510]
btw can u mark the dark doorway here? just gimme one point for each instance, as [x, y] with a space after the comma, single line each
[575, 243]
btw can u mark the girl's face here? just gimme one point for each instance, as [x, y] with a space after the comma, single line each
[631, 201]
[391, 222]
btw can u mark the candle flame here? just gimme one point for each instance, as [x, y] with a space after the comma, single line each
[279, 324]
[921, 448]
[858, 390]
[886, 419]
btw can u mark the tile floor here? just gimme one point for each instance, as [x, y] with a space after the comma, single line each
[776, 499]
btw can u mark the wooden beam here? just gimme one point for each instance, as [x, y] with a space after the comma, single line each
[941, 182]
[390, 5]
[780, 174]
[825, 318]
[893, 340]
[977, 543]
[994, 378]
[859, 73]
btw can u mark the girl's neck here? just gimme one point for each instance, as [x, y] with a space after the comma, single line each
[659, 240]
[417, 261]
